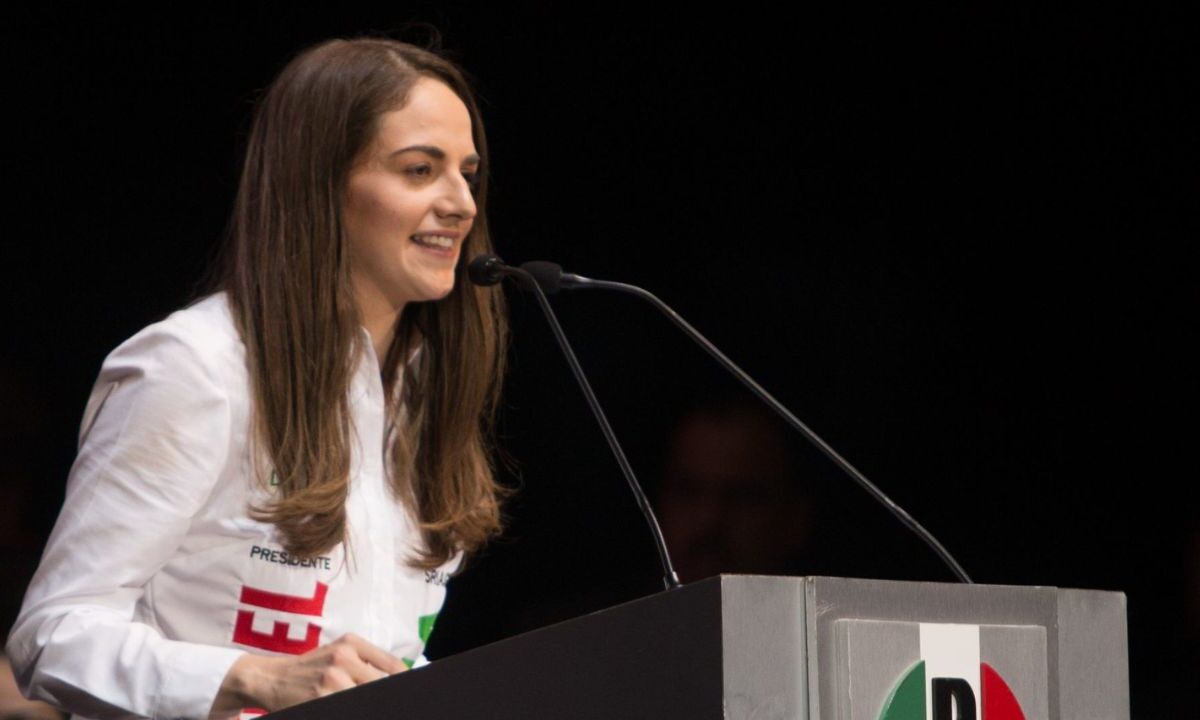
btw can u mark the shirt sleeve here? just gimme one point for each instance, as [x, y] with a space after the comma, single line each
[153, 444]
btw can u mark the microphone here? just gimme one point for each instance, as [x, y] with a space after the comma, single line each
[550, 278]
[489, 270]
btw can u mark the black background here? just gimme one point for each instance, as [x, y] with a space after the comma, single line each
[959, 244]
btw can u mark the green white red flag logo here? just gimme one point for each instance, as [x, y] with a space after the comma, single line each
[949, 682]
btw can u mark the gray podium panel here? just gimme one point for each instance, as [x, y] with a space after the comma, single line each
[767, 648]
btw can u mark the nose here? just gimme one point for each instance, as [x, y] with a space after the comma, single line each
[457, 201]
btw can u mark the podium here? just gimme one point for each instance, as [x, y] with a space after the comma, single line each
[762, 648]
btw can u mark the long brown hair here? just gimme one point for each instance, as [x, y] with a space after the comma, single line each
[288, 281]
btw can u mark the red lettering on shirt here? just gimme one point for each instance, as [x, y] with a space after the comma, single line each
[277, 640]
[314, 605]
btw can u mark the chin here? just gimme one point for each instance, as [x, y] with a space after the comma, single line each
[436, 294]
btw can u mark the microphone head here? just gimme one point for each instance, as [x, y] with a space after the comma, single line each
[485, 270]
[547, 274]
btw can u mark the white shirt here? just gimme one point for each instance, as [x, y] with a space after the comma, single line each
[155, 579]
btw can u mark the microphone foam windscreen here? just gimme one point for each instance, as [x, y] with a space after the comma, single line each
[547, 274]
[485, 270]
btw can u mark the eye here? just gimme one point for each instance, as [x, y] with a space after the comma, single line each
[472, 179]
[419, 171]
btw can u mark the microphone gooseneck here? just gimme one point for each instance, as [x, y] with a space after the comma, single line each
[495, 268]
[553, 276]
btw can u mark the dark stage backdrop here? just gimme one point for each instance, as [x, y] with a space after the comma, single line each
[961, 245]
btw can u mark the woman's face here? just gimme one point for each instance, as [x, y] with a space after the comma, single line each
[409, 202]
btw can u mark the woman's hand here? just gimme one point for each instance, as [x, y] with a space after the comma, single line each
[273, 683]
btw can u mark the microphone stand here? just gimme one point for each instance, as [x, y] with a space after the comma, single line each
[554, 278]
[488, 270]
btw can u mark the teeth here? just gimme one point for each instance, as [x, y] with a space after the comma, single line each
[438, 241]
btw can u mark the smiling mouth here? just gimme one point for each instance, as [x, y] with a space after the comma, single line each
[437, 242]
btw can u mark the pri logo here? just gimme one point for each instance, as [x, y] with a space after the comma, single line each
[949, 682]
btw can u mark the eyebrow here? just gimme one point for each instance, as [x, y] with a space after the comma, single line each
[435, 152]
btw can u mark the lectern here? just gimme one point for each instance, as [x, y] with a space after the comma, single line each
[762, 648]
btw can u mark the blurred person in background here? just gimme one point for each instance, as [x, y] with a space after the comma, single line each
[730, 500]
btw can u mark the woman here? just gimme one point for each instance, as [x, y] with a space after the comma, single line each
[274, 484]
